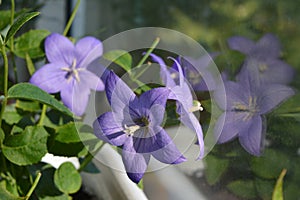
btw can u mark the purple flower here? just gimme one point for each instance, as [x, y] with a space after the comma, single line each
[247, 102]
[135, 124]
[181, 93]
[67, 71]
[197, 72]
[267, 52]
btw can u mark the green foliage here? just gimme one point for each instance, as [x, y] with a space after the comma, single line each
[120, 57]
[5, 18]
[19, 23]
[67, 179]
[215, 168]
[26, 148]
[31, 43]
[278, 194]
[243, 188]
[6, 195]
[31, 92]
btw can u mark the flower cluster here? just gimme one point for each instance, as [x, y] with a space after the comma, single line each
[258, 89]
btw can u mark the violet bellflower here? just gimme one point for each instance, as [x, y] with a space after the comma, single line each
[67, 71]
[248, 100]
[135, 124]
[181, 93]
[267, 52]
[195, 70]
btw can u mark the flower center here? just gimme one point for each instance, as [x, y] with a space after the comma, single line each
[262, 67]
[196, 106]
[72, 71]
[250, 109]
[139, 124]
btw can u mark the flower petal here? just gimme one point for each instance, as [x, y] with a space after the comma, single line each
[107, 129]
[269, 45]
[158, 143]
[164, 72]
[190, 120]
[241, 44]
[229, 125]
[135, 163]
[251, 138]
[87, 50]
[50, 77]
[271, 95]
[59, 49]
[91, 80]
[75, 96]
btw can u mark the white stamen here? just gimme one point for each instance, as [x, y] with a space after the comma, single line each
[196, 106]
[129, 130]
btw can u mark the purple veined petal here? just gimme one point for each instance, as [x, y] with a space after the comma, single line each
[120, 97]
[135, 163]
[164, 72]
[91, 80]
[75, 96]
[183, 96]
[87, 50]
[180, 71]
[271, 95]
[158, 144]
[230, 125]
[241, 44]
[50, 77]
[235, 93]
[190, 120]
[59, 49]
[154, 97]
[251, 138]
[270, 45]
[107, 129]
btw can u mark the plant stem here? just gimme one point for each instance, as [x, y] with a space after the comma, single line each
[12, 18]
[36, 181]
[43, 114]
[5, 78]
[68, 26]
[152, 47]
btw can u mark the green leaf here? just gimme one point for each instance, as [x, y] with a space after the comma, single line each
[120, 57]
[5, 195]
[30, 106]
[31, 43]
[67, 133]
[26, 148]
[270, 164]
[31, 92]
[11, 117]
[19, 23]
[289, 106]
[5, 18]
[264, 188]
[67, 179]
[277, 193]
[30, 65]
[215, 168]
[243, 188]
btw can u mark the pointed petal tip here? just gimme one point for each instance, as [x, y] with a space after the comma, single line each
[180, 160]
[135, 177]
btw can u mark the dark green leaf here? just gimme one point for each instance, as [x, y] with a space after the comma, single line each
[120, 57]
[30, 106]
[264, 188]
[26, 148]
[289, 106]
[31, 92]
[67, 179]
[67, 133]
[31, 43]
[243, 188]
[215, 168]
[19, 23]
[270, 164]
[277, 193]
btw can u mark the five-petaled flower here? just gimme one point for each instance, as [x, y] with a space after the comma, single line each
[67, 71]
[135, 124]
[266, 52]
[247, 101]
[181, 93]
